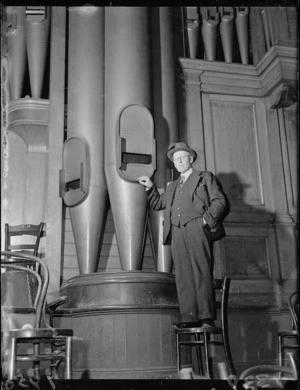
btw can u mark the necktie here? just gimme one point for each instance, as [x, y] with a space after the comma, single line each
[182, 179]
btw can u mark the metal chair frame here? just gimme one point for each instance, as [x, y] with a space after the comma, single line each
[202, 335]
[293, 334]
[37, 335]
[266, 372]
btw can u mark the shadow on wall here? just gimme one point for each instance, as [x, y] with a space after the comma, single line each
[253, 332]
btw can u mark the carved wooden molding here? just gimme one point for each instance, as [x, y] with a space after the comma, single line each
[274, 76]
[29, 119]
[282, 97]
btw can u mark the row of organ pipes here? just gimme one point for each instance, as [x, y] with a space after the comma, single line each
[112, 108]
[28, 35]
[204, 26]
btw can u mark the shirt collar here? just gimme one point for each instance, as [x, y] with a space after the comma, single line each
[187, 173]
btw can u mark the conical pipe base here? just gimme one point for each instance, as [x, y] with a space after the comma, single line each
[129, 209]
[88, 222]
[37, 37]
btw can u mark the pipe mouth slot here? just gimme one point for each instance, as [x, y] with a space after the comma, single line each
[73, 185]
[135, 158]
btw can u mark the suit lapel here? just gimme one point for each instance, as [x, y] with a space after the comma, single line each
[193, 181]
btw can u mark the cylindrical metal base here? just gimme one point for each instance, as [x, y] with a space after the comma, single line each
[122, 324]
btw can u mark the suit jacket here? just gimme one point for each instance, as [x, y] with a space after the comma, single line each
[207, 198]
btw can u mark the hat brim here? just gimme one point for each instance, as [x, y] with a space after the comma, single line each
[190, 151]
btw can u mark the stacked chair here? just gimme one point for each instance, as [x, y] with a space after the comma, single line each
[29, 341]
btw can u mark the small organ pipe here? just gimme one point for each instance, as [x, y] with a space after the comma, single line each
[193, 37]
[209, 35]
[266, 28]
[37, 25]
[226, 31]
[16, 50]
[242, 32]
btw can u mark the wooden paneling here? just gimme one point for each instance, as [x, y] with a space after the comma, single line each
[235, 120]
[237, 150]
[253, 251]
[248, 254]
[249, 144]
[128, 345]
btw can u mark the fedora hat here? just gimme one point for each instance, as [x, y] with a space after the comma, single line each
[180, 146]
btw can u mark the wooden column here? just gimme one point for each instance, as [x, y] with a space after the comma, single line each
[53, 203]
[192, 131]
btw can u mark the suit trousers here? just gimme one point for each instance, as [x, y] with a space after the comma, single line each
[192, 256]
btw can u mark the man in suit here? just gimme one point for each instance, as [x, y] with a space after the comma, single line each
[194, 205]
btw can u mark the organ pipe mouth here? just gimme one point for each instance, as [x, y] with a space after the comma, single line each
[75, 175]
[136, 148]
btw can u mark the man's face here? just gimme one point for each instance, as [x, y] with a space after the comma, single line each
[182, 161]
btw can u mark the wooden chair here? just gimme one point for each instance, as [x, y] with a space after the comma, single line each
[23, 230]
[26, 231]
[292, 334]
[201, 337]
[47, 344]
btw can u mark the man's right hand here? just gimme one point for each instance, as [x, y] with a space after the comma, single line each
[146, 182]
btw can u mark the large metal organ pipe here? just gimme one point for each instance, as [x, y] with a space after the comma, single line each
[129, 133]
[165, 117]
[83, 185]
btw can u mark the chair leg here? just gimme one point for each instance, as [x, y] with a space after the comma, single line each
[280, 350]
[207, 362]
[36, 364]
[199, 354]
[12, 358]
[54, 370]
[177, 353]
[68, 358]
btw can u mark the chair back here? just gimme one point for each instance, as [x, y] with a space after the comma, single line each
[42, 281]
[23, 230]
[294, 309]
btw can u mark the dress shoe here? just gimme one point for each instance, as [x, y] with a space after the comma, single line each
[183, 325]
[208, 324]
